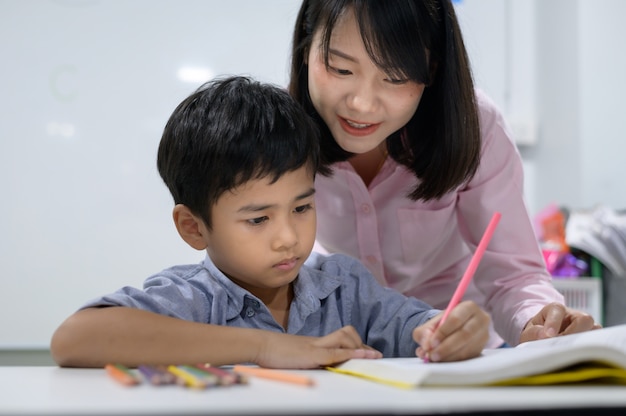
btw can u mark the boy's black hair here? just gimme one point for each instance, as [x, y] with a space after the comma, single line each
[229, 131]
[418, 40]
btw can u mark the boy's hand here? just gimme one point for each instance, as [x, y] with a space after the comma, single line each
[294, 351]
[556, 319]
[463, 335]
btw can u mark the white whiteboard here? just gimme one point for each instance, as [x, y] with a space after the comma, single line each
[86, 87]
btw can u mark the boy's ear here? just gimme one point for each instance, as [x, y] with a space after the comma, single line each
[190, 227]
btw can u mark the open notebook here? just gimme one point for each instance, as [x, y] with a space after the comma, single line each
[597, 356]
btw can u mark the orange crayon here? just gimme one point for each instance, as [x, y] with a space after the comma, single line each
[274, 375]
[121, 374]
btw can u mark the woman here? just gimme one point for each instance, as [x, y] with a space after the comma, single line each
[420, 161]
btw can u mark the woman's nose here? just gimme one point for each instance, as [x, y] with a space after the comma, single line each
[364, 98]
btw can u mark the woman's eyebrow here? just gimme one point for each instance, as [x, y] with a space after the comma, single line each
[340, 54]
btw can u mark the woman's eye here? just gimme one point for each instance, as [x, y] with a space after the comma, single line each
[340, 71]
[397, 81]
[303, 208]
[257, 221]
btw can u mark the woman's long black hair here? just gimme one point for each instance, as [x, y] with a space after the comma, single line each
[411, 39]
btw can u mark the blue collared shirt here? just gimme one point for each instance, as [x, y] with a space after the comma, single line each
[331, 291]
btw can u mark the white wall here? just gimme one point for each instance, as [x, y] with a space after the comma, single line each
[557, 155]
[580, 66]
[602, 105]
[556, 68]
[500, 39]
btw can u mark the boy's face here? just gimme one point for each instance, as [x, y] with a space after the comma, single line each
[263, 232]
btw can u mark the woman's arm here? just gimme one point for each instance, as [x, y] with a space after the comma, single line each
[93, 337]
[512, 274]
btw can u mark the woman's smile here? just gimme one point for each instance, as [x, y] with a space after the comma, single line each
[357, 129]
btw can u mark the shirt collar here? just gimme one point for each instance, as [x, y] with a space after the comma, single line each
[310, 287]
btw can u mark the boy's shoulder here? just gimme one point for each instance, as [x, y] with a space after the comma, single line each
[323, 274]
[337, 264]
[182, 271]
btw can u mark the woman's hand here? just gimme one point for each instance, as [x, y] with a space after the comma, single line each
[463, 335]
[557, 319]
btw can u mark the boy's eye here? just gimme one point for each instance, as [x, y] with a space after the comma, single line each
[257, 221]
[303, 208]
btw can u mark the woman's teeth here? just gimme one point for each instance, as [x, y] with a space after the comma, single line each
[357, 125]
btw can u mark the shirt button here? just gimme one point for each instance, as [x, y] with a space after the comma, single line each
[250, 312]
[365, 208]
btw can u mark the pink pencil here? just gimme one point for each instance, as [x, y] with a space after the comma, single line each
[469, 272]
[471, 267]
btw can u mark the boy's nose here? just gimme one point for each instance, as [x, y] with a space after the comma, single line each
[286, 237]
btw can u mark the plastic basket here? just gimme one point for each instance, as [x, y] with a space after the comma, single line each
[582, 293]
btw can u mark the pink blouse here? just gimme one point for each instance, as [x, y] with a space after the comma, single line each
[422, 248]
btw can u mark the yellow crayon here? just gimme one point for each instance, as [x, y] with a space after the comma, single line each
[189, 379]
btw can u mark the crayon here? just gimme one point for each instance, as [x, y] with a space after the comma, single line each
[122, 374]
[274, 375]
[209, 379]
[157, 375]
[186, 378]
[226, 378]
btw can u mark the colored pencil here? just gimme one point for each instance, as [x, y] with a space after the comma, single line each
[157, 375]
[188, 379]
[274, 375]
[209, 379]
[225, 377]
[470, 270]
[122, 374]
[471, 267]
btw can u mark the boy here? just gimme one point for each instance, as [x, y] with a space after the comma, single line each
[240, 158]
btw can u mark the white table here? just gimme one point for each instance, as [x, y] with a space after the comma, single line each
[58, 391]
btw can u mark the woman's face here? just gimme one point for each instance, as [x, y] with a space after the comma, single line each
[361, 105]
